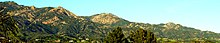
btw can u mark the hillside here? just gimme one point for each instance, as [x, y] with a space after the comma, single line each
[59, 24]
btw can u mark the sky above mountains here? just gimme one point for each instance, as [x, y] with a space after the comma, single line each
[199, 14]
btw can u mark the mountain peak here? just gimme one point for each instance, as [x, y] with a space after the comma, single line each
[106, 14]
[59, 7]
[9, 3]
[61, 10]
[171, 25]
[105, 18]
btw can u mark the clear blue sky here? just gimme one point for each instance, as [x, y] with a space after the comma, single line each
[200, 14]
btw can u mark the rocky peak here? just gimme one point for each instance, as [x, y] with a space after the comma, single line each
[171, 25]
[105, 18]
[61, 10]
[33, 8]
[60, 7]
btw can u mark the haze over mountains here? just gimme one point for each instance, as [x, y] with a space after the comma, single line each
[53, 23]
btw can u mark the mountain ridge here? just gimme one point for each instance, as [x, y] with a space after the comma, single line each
[58, 23]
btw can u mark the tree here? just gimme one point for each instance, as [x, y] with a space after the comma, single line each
[142, 36]
[116, 36]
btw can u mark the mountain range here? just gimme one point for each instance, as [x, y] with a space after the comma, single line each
[55, 23]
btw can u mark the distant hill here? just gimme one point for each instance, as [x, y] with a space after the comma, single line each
[53, 23]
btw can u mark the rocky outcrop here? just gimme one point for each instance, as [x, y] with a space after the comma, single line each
[105, 18]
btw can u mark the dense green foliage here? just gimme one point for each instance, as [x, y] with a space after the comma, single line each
[139, 36]
[116, 36]
[142, 36]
